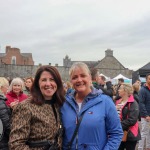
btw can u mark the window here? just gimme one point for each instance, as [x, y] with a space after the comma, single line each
[13, 60]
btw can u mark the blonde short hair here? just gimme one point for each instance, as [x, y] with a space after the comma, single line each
[128, 88]
[79, 65]
[18, 81]
[3, 82]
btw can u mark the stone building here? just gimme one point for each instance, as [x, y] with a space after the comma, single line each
[108, 66]
[15, 57]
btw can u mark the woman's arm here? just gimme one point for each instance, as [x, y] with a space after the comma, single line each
[20, 128]
[113, 126]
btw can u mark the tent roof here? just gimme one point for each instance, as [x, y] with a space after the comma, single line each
[144, 70]
[120, 76]
[146, 67]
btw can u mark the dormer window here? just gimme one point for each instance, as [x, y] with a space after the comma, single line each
[13, 60]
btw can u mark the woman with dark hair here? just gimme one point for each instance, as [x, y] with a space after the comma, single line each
[28, 84]
[36, 122]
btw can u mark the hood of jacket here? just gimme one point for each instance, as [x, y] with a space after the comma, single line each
[70, 98]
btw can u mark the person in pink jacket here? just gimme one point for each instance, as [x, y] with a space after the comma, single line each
[128, 111]
[15, 93]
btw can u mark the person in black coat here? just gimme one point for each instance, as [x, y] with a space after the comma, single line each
[5, 117]
[99, 82]
[5, 114]
[128, 111]
[105, 86]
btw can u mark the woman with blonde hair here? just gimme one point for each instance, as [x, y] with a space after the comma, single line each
[4, 114]
[15, 93]
[128, 111]
[4, 84]
[89, 117]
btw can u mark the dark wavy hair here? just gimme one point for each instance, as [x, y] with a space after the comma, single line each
[36, 94]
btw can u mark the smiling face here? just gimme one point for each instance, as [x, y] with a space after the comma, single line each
[81, 80]
[17, 88]
[28, 83]
[47, 85]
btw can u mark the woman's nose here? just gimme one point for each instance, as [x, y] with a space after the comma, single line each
[48, 82]
[79, 79]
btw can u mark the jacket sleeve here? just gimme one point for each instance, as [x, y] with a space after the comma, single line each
[5, 117]
[20, 128]
[136, 97]
[132, 115]
[142, 99]
[113, 127]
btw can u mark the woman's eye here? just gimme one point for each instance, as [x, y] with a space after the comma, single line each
[51, 79]
[83, 76]
[43, 79]
[73, 78]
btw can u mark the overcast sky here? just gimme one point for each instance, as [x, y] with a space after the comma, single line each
[81, 29]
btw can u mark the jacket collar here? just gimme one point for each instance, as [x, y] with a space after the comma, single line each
[131, 99]
[88, 99]
[11, 93]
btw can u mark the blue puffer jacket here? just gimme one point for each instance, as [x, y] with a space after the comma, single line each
[144, 101]
[100, 128]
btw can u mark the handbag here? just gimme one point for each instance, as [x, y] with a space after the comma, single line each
[125, 134]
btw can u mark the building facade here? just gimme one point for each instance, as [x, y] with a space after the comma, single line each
[108, 66]
[15, 57]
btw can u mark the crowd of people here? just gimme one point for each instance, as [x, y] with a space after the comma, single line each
[87, 112]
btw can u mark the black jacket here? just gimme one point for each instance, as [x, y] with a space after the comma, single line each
[108, 90]
[129, 118]
[136, 97]
[5, 117]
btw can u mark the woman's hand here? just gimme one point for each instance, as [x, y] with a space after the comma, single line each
[13, 104]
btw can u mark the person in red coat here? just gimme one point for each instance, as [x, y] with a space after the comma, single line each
[15, 93]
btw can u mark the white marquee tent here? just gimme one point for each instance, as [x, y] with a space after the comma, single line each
[121, 76]
[126, 80]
